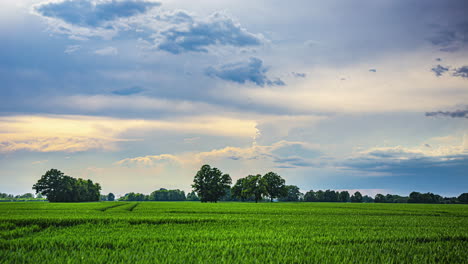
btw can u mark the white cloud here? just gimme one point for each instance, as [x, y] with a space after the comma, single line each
[72, 48]
[107, 51]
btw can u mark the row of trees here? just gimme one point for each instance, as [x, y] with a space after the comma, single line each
[62, 188]
[336, 196]
[158, 195]
[211, 185]
[4, 197]
[108, 198]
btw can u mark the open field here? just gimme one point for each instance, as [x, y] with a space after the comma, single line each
[188, 232]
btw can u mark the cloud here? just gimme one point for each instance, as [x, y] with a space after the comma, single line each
[107, 51]
[80, 133]
[72, 48]
[403, 160]
[129, 91]
[372, 70]
[299, 75]
[183, 32]
[270, 155]
[173, 31]
[461, 72]
[325, 93]
[87, 13]
[439, 70]
[453, 114]
[39, 162]
[129, 100]
[242, 72]
[451, 39]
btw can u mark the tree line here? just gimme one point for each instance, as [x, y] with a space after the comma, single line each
[5, 197]
[158, 195]
[211, 185]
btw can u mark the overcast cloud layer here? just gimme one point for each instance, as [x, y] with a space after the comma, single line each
[137, 95]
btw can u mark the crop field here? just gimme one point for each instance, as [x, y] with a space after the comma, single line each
[191, 232]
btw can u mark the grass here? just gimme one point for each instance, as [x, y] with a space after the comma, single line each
[190, 232]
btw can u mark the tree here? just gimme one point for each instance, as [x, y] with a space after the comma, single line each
[463, 198]
[310, 196]
[134, 197]
[192, 196]
[293, 194]
[210, 184]
[356, 197]
[331, 196]
[379, 198]
[275, 185]
[416, 197]
[228, 196]
[343, 196]
[167, 195]
[367, 199]
[110, 197]
[26, 196]
[238, 189]
[61, 188]
[320, 196]
[254, 186]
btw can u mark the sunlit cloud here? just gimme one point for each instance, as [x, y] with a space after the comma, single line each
[80, 133]
[278, 154]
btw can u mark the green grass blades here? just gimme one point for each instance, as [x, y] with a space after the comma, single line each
[190, 232]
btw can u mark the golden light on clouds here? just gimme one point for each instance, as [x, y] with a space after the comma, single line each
[79, 133]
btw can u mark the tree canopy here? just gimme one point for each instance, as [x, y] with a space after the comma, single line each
[274, 185]
[292, 194]
[356, 197]
[210, 184]
[58, 187]
[254, 186]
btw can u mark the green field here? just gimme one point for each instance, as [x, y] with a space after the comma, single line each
[191, 232]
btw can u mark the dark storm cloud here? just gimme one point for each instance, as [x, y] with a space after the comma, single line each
[87, 13]
[242, 72]
[439, 70]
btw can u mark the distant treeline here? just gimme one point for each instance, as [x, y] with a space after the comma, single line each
[159, 195]
[4, 197]
[211, 185]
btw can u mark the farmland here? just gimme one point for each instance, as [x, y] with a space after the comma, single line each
[188, 232]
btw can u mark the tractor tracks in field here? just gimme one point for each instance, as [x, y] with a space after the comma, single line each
[132, 207]
[110, 207]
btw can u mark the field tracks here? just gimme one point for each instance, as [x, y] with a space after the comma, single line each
[110, 207]
[132, 207]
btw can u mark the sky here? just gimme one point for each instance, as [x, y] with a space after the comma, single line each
[137, 95]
